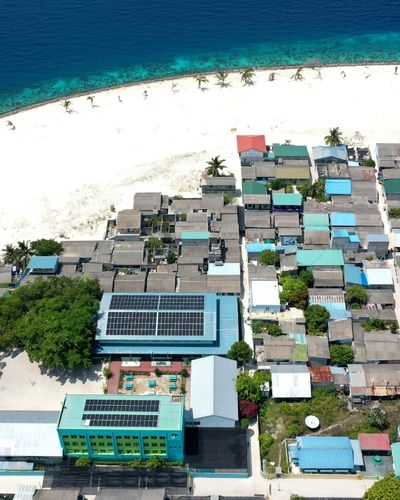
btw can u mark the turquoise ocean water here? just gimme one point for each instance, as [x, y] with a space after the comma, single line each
[53, 49]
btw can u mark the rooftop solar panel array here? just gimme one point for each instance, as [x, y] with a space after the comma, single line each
[131, 323]
[120, 420]
[122, 405]
[181, 323]
[156, 315]
[148, 302]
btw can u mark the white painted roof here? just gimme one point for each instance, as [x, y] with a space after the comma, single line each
[290, 382]
[29, 439]
[265, 293]
[379, 276]
[396, 235]
[212, 388]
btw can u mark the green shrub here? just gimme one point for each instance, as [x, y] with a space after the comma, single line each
[184, 373]
[316, 319]
[107, 372]
[369, 162]
[83, 462]
[394, 213]
[266, 441]
[154, 463]
[244, 423]
[157, 372]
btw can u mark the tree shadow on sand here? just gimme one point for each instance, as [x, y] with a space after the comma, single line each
[92, 374]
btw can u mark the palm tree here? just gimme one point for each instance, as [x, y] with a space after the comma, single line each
[200, 79]
[66, 105]
[334, 138]
[174, 87]
[24, 252]
[297, 76]
[91, 99]
[221, 77]
[10, 125]
[10, 255]
[247, 75]
[271, 77]
[214, 166]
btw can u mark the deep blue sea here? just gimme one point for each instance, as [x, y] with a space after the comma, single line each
[53, 48]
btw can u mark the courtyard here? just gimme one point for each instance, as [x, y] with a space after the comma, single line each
[28, 386]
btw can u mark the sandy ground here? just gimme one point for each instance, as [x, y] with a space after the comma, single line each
[62, 171]
[24, 386]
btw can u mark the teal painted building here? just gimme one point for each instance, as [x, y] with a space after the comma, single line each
[115, 427]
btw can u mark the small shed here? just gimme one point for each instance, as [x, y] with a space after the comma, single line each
[374, 444]
[264, 296]
[43, 265]
[290, 382]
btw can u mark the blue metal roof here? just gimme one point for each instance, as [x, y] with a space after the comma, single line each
[343, 233]
[322, 152]
[337, 310]
[338, 186]
[39, 262]
[259, 247]
[354, 275]
[220, 331]
[330, 453]
[343, 219]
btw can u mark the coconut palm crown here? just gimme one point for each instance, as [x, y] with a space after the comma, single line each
[247, 75]
[334, 138]
[66, 105]
[91, 99]
[200, 79]
[221, 77]
[214, 167]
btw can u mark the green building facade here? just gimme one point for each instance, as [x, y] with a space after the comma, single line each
[115, 427]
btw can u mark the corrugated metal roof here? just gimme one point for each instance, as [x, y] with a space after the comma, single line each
[379, 276]
[290, 381]
[289, 151]
[343, 219]
[194, 235]
[338, 186]
[320, 452]
[324, 257]
[392, 186]
[246, 142]
[283, 199]
[317, 220]
[322, 152]
[253, 187]
[396, 458]
[302, 173]
[212, 388]
[39, 262]
[374, 442]
[227, 269]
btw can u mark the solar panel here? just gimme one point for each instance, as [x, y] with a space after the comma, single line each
[180, 323]
[131, 323]
[138, 302]
[120, 420]
[122, 405]
[179, 302]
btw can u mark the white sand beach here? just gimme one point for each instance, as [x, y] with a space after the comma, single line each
[61, 172]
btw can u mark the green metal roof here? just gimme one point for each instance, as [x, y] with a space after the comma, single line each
[194, 235]
[317, 220]
[392, 186]
[170, 413]
[306, 258]
[293, 199]
[396, 458]
[290, 151]
[253, 187]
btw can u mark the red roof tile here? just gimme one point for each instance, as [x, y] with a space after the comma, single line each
[321, 374]
[374, 442]
[246, 142]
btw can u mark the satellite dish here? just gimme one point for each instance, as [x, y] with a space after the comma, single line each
[312, 422]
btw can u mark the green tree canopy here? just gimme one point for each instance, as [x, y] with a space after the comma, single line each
[369, 162]
[46, 247]
[356, 294]
[277, 184]
[394, 213]
[53, 319]
[387, 488]
[269, 258]
[316, 319]
[249, 387]
[266, 441]
[377, 418]
[334, 138]
[214, 167]
[307, 277]
[241, 352]
[373, 324]
[295, 292]
[341, 355]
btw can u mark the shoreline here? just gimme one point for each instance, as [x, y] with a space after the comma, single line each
[64, 171]
[192, 75]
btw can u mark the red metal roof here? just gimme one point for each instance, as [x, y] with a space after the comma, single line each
[321, 374]
[246, 142]
[374, 442]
